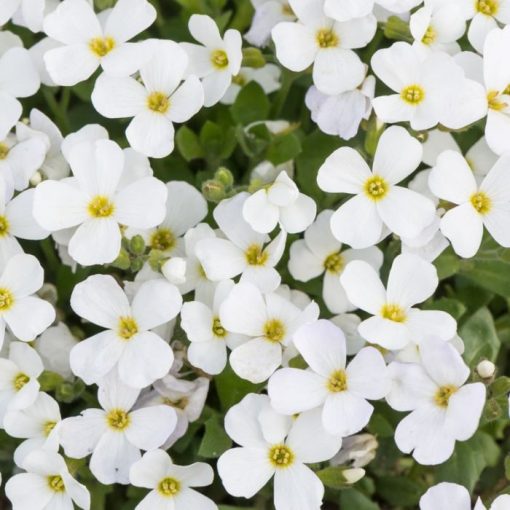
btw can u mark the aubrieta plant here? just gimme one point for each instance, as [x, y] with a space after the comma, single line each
[255, 255]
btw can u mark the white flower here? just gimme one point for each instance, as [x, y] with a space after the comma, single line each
[269, 320]
[279, 203]
[267, 14]
[344, 10]
[325, 43]
[37, 424]
[88, 42]
[140, 355]
[19, 386]
[215, 60]
[156, 102]
[171, 485]
[422, 94]
[341, 114]
[487, 204]
[26, 315]
[47, 485]
[443, 408]
[339, 391]
[244, 251]
[208, 337]
[95, 200]
[271, 444]
[443, 495]
[320, 253]
[116, 433]
[28, 13]
[378, 201]
[394, 322]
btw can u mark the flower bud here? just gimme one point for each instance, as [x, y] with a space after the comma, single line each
[397, 29]
[252, 57]
[36, 179]
[486, 369]
[213, 190]
[353, 475]
[137, 245]
[224, 175]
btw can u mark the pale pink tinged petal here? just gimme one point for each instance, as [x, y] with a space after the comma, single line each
[367, 375]
[69, 65]
[446, 496]
[345, 171]
[95, 356]
[288, 37]
[293, 391]
[297, 487]
[398, 154]
[244, 471]
[256, 360]
[405, 212]
[141, 204]
[187, 100]
[388, 334]
[345, 413]
[463, 227]
[322, 345]
[151, 426]
[451, 178]
[337, 70]
[497, 131]
[260, 213]
[151, 134]
[411, 280]
[29, 317]
[363, 286]
[465, 408]
[204, 30]
[128, 18]
[117, 98]
[299, 215]
[357, 223]
[303, 264]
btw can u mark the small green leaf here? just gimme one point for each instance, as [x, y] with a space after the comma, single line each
[332, 477]
[231, 388]
[188, 144]
[215, 440]
[399, 491]
[352, 499]
[283, 148]
[250, 105]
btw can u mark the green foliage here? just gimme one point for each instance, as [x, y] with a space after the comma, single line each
[480, 337]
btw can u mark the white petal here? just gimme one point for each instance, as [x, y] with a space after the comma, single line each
[295, 45]
[151, 426]
[384, 332]
[256, 360]
[128, 18]
[367, 375]
[298, 216]
[186, 100]
[204, 30]
[23, 275]
[445, 496]
[150, 469]
[220, 258]
[464, 411]
[297, 486]
[69, 65]
[29, 317]
[345, 413]
[260, 213]
[151, 134]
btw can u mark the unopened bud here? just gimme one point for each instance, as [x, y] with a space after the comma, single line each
[353, 475]
[214, 190]
[253, 57]
[397, 29]
[224, 175]
[486, 369]
[137, 245]
[123, 260]
[174, 270]
[36, 179]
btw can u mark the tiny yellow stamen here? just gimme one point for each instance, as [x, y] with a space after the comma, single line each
[239, 79]
[274, 330]
[393, 312]
[255, 255]
[48, 427]
[281, 456]
[100, 207]
[169, 487]
[118, 420]
[217, 328]
[158, 102]
[20, 380]
[326, 38]
[56, 483]
[487, 7]
[4, 226]
[430, 36]
[219, 59]
[413, 94]
[4, 150]
[495, 102]
[334, 263]
[128, 327]
[443, 394]
[101, 46]
[337, 382]
[481, 202]
[6, 299]
[162, 239]
[375, 188]
[180, 403]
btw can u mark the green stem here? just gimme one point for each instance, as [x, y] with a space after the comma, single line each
[59, 114]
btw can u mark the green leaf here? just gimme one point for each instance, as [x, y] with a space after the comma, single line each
[480, 338]
[332, 477]
[283, 148]
[469, 460]
[188, 144]
[215, 440]
[352, 499]
[447, 264]
[399, 491]
[251, 104]
[231, 388]
[452, 306]
[217, 141]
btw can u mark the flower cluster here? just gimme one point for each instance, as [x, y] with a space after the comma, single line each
[289, 262]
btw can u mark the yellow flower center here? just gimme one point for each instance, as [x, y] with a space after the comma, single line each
[287, 10]
[4, 150]
[20, 380]
[430, 36]
[219, 59]
[48, 427]
[169, 487]
[128, 328]
[412, 94]
[488, 7]
[334, 263]
[162, 239]
[56, 483]
[274, 330]
[101, 46]
[481, 202]
[118, 420]
[100, 207]
[180, 403]
[494, 100]
[443, 394]
[6, 300]
[337, 381]
[217, 328]
[158, 102]
[4, 226]
[393, 312]
[255, 256]
[326, 38]
[239, 79]
[281, 456]
[376, 188]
